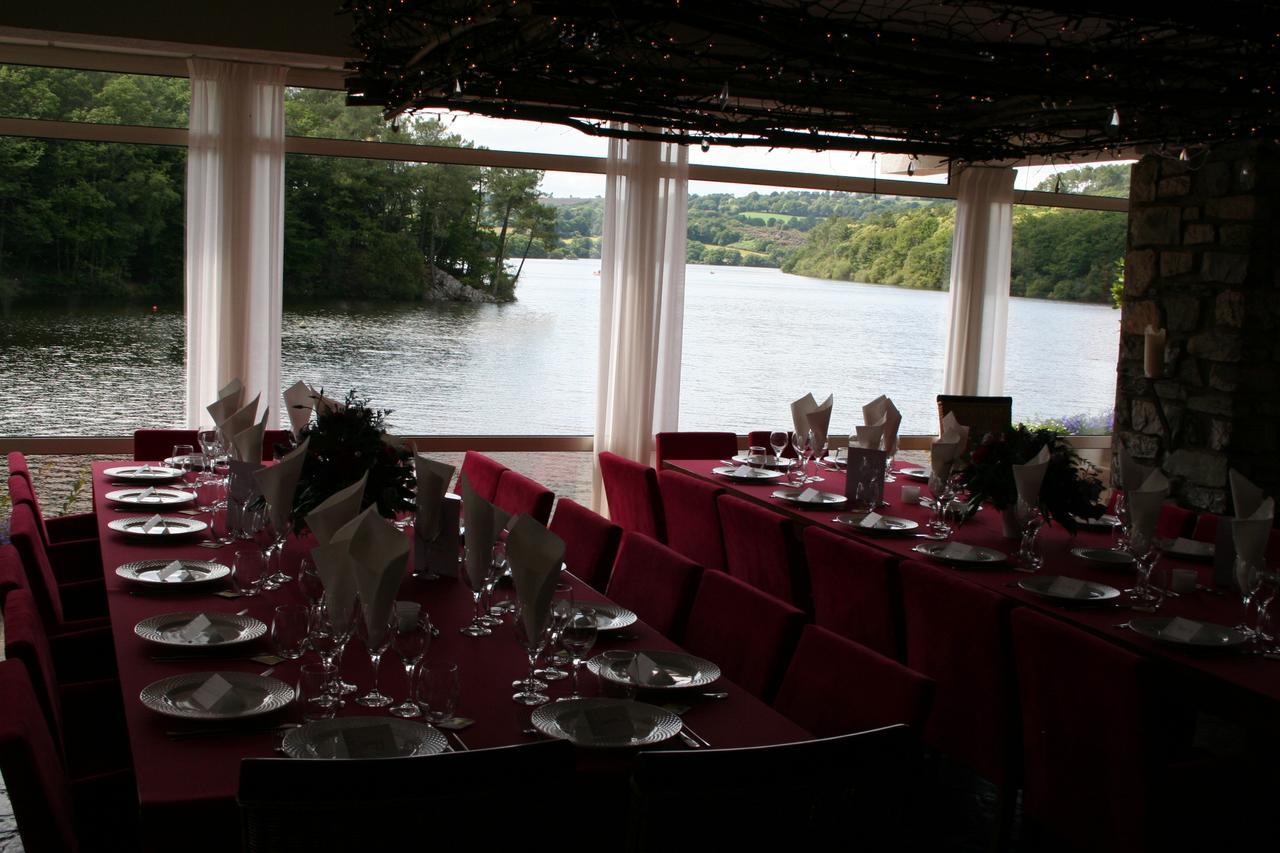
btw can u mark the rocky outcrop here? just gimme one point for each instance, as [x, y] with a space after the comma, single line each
[442, 287]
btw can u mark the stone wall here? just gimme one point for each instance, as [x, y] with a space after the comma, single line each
[1204, 239]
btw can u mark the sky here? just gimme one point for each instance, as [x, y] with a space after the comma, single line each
[510, 135]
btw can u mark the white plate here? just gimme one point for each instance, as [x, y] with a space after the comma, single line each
[768, 460]
[1105, 556]
[196, 572]
[685, 670]
[166, 629]
[983, 556]
[608, 616]
[196, 460]
[159, 497]
[756, 475]
[891, 523]
[1187, 549]
[921, 474]
[144, 473]
[169, 526]
[257, 695]
[326, 738]
[1208, 636]
[1061, 588]
[568, 720]
[820, 500]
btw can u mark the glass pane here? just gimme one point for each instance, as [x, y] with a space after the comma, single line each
[848, 299]
[1104, 179]
[101, 97]
[1060, 361]
[91, 243]
[464, 352]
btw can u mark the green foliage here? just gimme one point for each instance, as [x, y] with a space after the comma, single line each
[1117, 284]
[1107, 180]
[1066, 254]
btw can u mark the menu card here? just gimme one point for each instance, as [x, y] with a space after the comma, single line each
[864, 477]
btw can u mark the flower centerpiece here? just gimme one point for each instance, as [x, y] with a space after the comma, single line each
[346, 441]
[1071, 486]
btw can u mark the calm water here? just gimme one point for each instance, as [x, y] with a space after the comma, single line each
[754, 340]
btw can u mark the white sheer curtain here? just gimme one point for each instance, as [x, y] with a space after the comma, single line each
[641, 298]
[235, 231]
[980, 258]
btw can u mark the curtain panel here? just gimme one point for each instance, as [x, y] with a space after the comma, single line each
[981, 253]
[641, 298]
[235, 232]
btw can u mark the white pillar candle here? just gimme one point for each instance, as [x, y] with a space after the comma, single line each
[1153, 362]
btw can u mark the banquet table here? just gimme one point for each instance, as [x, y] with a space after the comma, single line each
[1241, 684]
[191, 783]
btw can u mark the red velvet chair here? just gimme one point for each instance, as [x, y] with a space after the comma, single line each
[748, 633]
[152, 445]
[957, 633]
[855, 590]
[760, 438]
[11, 574]
[482, 473]
[517, 493]
[1094, 759]
[590, 542]
[63, 606]
[693, 445]
[635, 503]
[655, 583]
[835, 686]
[762, 549]
[693, 518]
[1206, 530]
[71, 541]
[1174, 521]
[18, 465]
[54, 812]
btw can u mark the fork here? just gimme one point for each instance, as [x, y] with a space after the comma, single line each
[684, 727]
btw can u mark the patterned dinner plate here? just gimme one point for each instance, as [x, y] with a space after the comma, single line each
[605, 723]
[192, 573]
[816, 499]
[608, 616]
[144, 473]
[921, 474]
[748, 475]
[150, 496]
[1061, 588]
[168, 525]
[251, 695]
[767, 460]
[363, 737]
[1187, 632]
[888, 524]
[683, 670]
[224, 629]
[971, 555]
[1105, 556]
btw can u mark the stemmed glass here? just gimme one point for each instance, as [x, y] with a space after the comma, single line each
[309, 581]
[1145, 555]
[248, 571]
[1249, 578]
[491, 616]
[210, 490]
[265, 537]
[533, 638]
[210, 446]
[329, 636]
[279, 536]
[889, 453]
[561, 610]
[578, 637]
[1033, 520]
[778, 441]
[410, 642]
[376, 634]
[477, 628]
[940, 486]
[1122, 524]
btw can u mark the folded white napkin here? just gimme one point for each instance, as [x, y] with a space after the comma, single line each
[484, 522]
[1182, 629]
[1254, 515]
[433, 481]
[807, 415]
[229, 400]
[380, 554]
[1246, 498]
[279, 482]
[246, 445]
[338, 575]
[868, 437]
[299, 402]
[535, 554]
[336, 510]
[218, 695]
[883, 413]
[323, 403]
[647, 672]
[952, 429]
[1132, 474]
[1030, 476]
[237, 422]
[1144, 510]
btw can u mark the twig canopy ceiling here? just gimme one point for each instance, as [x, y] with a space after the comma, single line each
[975, 81]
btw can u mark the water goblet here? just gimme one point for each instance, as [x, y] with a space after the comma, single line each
[530, 629]
[210, 446]
[328, 633]
[1145, 555]
[476, 585]
[248, 571]
[889, 453]
[289, 631]
[1121, 527]
[437, 689]
[778, 441]
[376, 632]
[561, 610]
[412, 637]
[264, 536]
[315, 692]
[578, 637]
[279, 537]
[1028, 554]
[1249, 578]
[210, 490]
[941, 489]
[309, 582]
[756, 456]
[491, 616]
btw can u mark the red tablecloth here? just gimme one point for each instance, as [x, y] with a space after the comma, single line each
[180, 781]
[1257, 677]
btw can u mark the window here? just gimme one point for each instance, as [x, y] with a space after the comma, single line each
[100, 97]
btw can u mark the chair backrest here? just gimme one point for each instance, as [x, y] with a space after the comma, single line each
[18, 464]
[1174, 521]
[760, 438]
[748, 633]
[1206, 530]
[762, 549]
[25, 535]
[517, 493]
[855, 590]
[1089, 716]
[693, 518]
[482, 473]
[150, 445]
[635, 503]
[693, 445]
[379, 804]
[25, 640]
[957, 633]
[655, 582]
[36, 784]
[980, 414]
[21, 491]
[590, 542]
[11, 574]
[793, 796]
[835, 686]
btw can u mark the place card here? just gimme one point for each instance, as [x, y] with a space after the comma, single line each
[369, 742]
[808, 496]
[200, 629]
[1192, 546]
[1066, 587]
[957, 551]
[1181, 630]
[744, 471]
[611, 722]
[647, 672]
[175, 572]
[215, 694]
[153, 522]
[872, 520]
[146, 494]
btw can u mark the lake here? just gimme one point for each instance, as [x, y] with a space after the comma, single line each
[754, 340]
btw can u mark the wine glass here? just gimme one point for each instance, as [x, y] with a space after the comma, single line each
[561, 610]
[778, 441]
[1146, 555]
[476, 628]
[890, 451]
[940, 486]
[1033, 520]
[1249, 578]
[1122, 524]
[315, 692]
[265, 536]
[210, 446]
[328, 633]
[210, 490]
[578, 636]
[497, 567]
[279, 536]
[412, 637]
[309, 581]
[248, 571]
[376, 633]
[531, 632]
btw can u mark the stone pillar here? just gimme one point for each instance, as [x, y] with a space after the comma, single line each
[1204, 262]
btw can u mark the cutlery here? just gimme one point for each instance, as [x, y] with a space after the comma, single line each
[693, 734]
[688, 741]
[717, 695]
[1122, 625]
[452, 734]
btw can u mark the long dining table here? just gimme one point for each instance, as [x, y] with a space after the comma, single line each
[187, 782]
[1246, 684]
